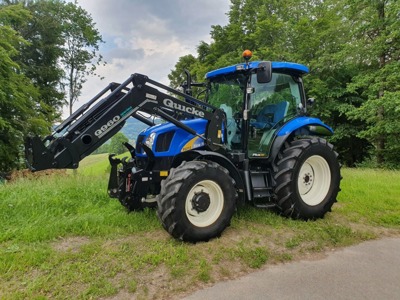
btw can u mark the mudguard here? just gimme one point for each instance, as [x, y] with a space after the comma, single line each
[299, 126]
[312, 126]
[218, 158]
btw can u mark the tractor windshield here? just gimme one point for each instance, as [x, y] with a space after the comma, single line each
[282, 88]
[228, 90]
[228, 93]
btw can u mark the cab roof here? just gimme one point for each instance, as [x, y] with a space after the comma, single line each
[287, 67]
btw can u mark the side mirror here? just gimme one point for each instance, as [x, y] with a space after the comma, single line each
[310, 101]
[264, 72]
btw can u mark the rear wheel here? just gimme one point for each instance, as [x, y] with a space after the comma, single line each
[307, 179]
[196, 201]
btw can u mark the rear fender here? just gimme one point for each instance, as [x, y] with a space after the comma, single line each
[219, 159]
[305, 126]
[297, 127]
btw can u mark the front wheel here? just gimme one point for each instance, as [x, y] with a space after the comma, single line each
[196, 201]
[307, 179]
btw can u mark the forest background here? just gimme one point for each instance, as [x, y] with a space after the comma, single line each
[352, 47]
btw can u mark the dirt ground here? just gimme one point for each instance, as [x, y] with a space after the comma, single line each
[28, 174]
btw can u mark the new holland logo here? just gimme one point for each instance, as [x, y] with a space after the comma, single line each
[190, 110]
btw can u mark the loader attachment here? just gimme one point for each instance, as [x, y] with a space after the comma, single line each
[103, 116]
[39, 157]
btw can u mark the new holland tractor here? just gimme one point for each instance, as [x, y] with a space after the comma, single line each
[250, 141]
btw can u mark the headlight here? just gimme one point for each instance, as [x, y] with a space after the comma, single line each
[150, 140]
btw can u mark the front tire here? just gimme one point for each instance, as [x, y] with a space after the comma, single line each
[307, 179]
[196, 201]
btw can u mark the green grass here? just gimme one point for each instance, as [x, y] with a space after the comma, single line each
[94, 165]
[62, 237]
[372, 196]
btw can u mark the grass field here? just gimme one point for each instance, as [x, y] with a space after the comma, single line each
[62, 237]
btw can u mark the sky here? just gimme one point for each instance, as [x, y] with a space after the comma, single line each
[148, 36]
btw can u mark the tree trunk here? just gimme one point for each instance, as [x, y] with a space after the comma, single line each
[380, 146]
[71, 89]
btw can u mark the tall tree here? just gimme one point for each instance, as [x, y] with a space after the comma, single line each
[39, 58]
[19, 115]
[376, 49]
[318, 35]
[80, 58]
[35, 37]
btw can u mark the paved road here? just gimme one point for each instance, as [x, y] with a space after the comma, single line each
[370, 270]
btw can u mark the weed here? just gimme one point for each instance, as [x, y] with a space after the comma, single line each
[204, 271]
[132, 287]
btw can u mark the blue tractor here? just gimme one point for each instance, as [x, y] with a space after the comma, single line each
[250, 140]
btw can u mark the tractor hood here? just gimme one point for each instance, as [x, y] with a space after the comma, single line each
[168, 140]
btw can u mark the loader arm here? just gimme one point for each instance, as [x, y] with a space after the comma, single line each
[102, 117]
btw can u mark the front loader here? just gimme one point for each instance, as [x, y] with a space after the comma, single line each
[251, 140]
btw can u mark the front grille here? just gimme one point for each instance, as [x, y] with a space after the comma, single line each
[164, 141]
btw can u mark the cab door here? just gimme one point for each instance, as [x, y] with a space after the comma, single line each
[271, 105]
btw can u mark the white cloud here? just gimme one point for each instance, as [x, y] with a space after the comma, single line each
[148, 37]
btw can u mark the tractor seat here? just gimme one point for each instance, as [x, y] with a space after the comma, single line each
[230, 123]
[270, 115]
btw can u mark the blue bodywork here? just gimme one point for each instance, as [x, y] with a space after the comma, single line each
[180, 139]
[300, 122]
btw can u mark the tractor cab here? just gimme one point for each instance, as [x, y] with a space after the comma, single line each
[258, 98]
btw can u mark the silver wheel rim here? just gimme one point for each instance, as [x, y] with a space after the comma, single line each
[314, 180]
[214, 209]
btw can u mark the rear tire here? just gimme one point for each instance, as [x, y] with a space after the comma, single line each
[196, 201]
[307, 179]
